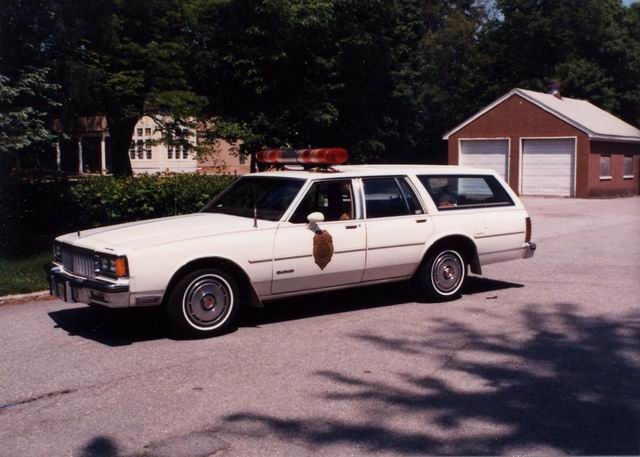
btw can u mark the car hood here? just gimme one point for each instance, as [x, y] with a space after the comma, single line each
[141, 234]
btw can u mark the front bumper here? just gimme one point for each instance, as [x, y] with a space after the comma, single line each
[91, 291]
[530, 249]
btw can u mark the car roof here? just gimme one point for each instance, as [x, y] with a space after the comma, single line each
[354, 171]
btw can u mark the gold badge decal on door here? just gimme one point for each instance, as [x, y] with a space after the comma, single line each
[322, 248]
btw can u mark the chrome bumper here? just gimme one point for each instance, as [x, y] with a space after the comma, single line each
[90, 291]
[530, 249]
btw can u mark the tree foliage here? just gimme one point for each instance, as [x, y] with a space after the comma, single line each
[24, 105]
[384, 78]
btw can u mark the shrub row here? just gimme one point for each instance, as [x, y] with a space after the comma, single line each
[33, 213]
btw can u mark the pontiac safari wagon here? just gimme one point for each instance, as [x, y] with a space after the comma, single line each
[291, 232]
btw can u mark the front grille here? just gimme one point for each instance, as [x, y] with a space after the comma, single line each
[83, 265]
[78, 262]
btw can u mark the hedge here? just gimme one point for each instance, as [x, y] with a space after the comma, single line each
[32, 213]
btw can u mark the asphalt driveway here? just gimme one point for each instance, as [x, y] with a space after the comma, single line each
[539, 357]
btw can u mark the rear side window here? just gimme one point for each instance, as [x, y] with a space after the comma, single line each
[388, 197]
[450, 192]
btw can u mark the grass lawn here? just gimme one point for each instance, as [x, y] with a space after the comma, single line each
[22, 275]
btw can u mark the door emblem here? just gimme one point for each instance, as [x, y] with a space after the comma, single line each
[322, 248]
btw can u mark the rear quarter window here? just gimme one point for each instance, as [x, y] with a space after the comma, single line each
[452, 192]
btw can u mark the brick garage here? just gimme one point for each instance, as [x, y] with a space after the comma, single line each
[545, 144]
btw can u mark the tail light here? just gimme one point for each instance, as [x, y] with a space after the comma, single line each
[527, 233]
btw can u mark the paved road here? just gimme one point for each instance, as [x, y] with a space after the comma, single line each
[538, 357]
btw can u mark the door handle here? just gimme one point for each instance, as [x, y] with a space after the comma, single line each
[420, 221]
[350, 227]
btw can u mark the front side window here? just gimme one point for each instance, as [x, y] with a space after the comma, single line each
[628, 167]
[334, 199]
[470, 191]
[605, 167]
[388, 197]
[269, 196]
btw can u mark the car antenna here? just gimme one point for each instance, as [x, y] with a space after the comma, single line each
[255, 208]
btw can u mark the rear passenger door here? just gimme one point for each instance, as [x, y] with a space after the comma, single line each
[397, 227]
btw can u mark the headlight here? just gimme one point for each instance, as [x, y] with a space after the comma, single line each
[116, 267]
[57, 251]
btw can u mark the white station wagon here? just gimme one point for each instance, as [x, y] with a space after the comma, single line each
[292, 232]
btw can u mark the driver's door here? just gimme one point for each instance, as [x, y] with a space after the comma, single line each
[330, 254]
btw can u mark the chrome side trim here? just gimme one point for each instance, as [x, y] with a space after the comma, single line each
[396, 246]
[499, 234]
[260, 261]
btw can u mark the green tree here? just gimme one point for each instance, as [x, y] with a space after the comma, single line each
[25, 103]
[590, 46]
[124, 59]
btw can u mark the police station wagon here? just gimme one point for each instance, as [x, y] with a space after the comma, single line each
[291, 232]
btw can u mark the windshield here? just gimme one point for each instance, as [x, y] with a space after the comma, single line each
[271, 196]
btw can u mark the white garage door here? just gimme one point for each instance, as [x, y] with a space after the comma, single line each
[548, 167]
[491, 154]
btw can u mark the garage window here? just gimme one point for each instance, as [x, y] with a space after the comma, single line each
[605, 167]
[450, 192]
[628, 167]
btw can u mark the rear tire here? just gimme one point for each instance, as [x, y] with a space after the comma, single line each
[442, 275]
[204, 303]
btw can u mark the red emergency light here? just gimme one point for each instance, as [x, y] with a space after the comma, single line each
[320, 157]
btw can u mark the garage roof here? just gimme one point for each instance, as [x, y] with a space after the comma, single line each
[595, 122]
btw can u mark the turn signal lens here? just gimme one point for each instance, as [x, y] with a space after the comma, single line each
[121, 269]
[527, 234]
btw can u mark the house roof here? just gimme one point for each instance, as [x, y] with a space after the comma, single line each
[595, 122]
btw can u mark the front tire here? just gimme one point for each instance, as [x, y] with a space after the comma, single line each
[204, 303]
[443, 274]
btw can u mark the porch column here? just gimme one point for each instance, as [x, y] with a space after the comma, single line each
[103, 154]
[80, 165]
[58, 157]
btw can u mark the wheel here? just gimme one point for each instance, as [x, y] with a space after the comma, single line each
[204, 303]
[442, 275]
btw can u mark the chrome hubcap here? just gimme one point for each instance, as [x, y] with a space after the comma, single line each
[207, 301]
[447, 272]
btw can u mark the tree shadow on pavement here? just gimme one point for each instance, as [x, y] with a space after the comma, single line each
[563, 383]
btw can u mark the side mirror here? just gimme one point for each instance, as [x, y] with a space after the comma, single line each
[313, 219]
[316, 217]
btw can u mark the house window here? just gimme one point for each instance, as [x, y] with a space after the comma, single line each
[169, 153]
[132, 150]
[185, 154]
[628, 167]
[178, 152]
[140, 149]
[139, 132]
[241, 159]
[605, 167]
[149, 153]
[147, 131]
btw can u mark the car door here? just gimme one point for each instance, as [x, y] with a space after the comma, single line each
[397, 228]
[332, 253]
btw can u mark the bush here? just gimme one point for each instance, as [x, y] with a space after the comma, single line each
[32, 213]
[107, 200]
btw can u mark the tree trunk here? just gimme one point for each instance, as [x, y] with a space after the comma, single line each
[121, 132]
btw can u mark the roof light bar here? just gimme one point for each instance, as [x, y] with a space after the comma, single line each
[306, 157]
